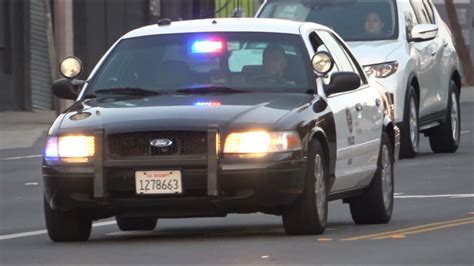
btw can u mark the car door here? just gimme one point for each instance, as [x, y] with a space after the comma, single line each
[350, 111]
[429, 62]
[364, 118]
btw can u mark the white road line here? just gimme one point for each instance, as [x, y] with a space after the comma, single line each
[452, 196]
[465, 132]
[31, 184]
[20, 157]
[41, 232]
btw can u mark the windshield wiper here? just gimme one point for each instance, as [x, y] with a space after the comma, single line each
[208, 89]
[129, 91]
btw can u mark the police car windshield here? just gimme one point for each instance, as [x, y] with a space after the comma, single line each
[354, 20]
[247, 62]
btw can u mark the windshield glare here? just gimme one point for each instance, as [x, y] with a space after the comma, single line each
[353, 20]
[246, 61]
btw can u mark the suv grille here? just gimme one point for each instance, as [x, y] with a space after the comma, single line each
[137, 144]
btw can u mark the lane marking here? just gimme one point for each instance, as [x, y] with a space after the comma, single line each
[452, 196]
[427, 229]
[409, 229]
[21, 157]
[31, 184]
[42, 232]
[465, 132]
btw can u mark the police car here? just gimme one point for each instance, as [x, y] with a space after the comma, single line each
[210, 117]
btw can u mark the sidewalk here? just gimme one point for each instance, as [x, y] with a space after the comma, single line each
[23, 129]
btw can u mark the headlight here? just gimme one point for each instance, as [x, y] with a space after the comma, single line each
[70, 148]
[381, 70]
[261, 142]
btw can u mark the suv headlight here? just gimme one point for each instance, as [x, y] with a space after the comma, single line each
[381, 70]
[74, 148]
[261, 142]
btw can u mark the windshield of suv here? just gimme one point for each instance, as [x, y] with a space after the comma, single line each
[213, 62]
[354, 20]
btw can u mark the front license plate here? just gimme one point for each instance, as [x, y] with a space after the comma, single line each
[158, 182]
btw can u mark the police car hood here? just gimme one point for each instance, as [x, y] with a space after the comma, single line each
[183, 112]
[373, 52]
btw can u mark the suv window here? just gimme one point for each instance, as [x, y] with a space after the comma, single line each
[354, 20]
[410, 18]
[424, 15]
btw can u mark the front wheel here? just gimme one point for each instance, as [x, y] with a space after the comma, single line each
[375, 206]
[308, 215]
[410, 129]
[445, 138]
[66, 226]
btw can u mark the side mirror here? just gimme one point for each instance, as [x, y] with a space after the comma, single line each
[322, 63]
[65, 89]
[342, 82]
[424, 32]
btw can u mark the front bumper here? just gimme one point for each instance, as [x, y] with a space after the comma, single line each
[239, 185]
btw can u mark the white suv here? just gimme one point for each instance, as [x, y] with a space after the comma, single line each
[406, 46]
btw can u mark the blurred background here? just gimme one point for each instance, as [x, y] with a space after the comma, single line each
[36, 34]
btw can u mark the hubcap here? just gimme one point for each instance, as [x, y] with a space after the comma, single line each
[386, 174]
[413, 125]
[320, 187]
[454, 117]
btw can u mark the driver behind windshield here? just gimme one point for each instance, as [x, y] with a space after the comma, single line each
[374, 24]
[274, 62]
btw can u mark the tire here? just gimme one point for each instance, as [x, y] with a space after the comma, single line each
[136, 223]
[66, 226]
[445, 138]
[308, 215]
[375, 206]
[410, 136]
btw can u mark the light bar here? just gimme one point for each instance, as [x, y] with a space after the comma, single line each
[212, 104]
[205, 47]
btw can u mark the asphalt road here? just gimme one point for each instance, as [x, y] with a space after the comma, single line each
[433, 223]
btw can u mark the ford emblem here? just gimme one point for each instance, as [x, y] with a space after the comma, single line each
[161, 143]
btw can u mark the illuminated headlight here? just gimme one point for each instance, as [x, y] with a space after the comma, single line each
[381, 70]
[70, 148]
[261, 142]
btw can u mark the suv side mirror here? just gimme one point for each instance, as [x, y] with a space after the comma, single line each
[342, 82]
[424, 32]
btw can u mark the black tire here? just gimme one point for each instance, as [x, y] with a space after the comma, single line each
[66, 226]
[304, 217]
[375, 207]
[410, 137]
[136, 223]
[445, 138]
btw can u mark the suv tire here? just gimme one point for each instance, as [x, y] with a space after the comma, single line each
[308, 215]
[375, 206]
[136, 223]
[66, 226]
[445, 138]
[410, 127]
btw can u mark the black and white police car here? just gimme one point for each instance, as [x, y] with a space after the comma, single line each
[209, 117]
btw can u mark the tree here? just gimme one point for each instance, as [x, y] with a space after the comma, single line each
[460, 42]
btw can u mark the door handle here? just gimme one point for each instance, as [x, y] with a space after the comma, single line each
[433, 54]
[359, 107]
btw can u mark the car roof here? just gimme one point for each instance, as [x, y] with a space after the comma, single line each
[223, 25]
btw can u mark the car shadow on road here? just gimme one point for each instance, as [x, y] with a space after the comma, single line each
[227, 232]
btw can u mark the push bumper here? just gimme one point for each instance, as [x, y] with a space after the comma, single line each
[212, 186]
